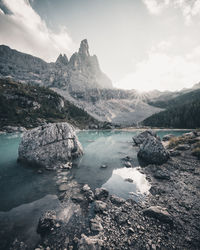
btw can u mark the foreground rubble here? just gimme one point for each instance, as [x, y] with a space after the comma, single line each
[169, 217]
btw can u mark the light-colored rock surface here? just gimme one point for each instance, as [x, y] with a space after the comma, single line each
[89, 243]
[50, 146]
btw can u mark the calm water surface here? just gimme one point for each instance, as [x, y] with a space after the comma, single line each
[22, 185]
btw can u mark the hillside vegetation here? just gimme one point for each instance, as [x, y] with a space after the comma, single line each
[30, 106]
[181, 112]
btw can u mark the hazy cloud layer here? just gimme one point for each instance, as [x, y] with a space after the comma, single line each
[189, 8]
[24, 30]
[163, 71]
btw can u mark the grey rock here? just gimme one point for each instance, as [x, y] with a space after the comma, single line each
[183, 147]
[167, 137]
[78, 198]
[140, 138]
[100, 206]
[152, 151]
[101, 193]
[50, 145]
[88, 192]
[128, 164]
[89, 243]
[117, 200]
[129, 180]
[162, 175]
[174, 153]
[104, 166]
[95, 224]
[159, 213]
[47, 221]
[63, 187]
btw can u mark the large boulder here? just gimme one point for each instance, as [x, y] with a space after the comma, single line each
[50, 145]
[140, 138]
[152, 151]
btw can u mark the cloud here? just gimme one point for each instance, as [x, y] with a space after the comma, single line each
[188, 8]
[156, 6]
[163, 71]
[24, 30]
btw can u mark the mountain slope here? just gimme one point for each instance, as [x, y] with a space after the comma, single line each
[80, 81]
[182, 112]
[121, 107]
[30, 106]
[82, 71]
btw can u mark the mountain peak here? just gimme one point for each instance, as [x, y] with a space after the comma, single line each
[62, 59]
[84, 48]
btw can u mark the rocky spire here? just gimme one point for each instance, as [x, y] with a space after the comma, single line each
[84, 48]
[62, 59]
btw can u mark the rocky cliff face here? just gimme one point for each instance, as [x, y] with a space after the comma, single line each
[81, 81]
[80, 72]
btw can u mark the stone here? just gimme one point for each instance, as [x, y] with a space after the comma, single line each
[50, 146]
[159, 213]
[101, 193]
[78, 198]
[140, 138]
[47, 222]
[103, 166]
[95, 224]
[130, 230]
[100, 206]
[63, 187]
[89, 243]
[153, 152]
[162, 174]
[167, 137]
[128, 180]
[128, 164]
[174, 153]
[88, 192]
[117, 200]
[183, 147]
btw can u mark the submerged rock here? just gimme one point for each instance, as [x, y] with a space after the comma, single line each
[50, 145]
[153, 152]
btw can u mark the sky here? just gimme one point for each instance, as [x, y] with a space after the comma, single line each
[140, 44]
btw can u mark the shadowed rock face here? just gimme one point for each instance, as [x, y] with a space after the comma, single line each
[151, 149]
[50, 146]
[80, 72]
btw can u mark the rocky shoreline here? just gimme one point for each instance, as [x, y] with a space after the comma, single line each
[168, 218]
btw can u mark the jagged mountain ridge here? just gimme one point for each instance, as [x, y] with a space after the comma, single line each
[80, 81]
[81, 71]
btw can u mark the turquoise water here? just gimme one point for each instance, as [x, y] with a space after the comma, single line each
[22, 185]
